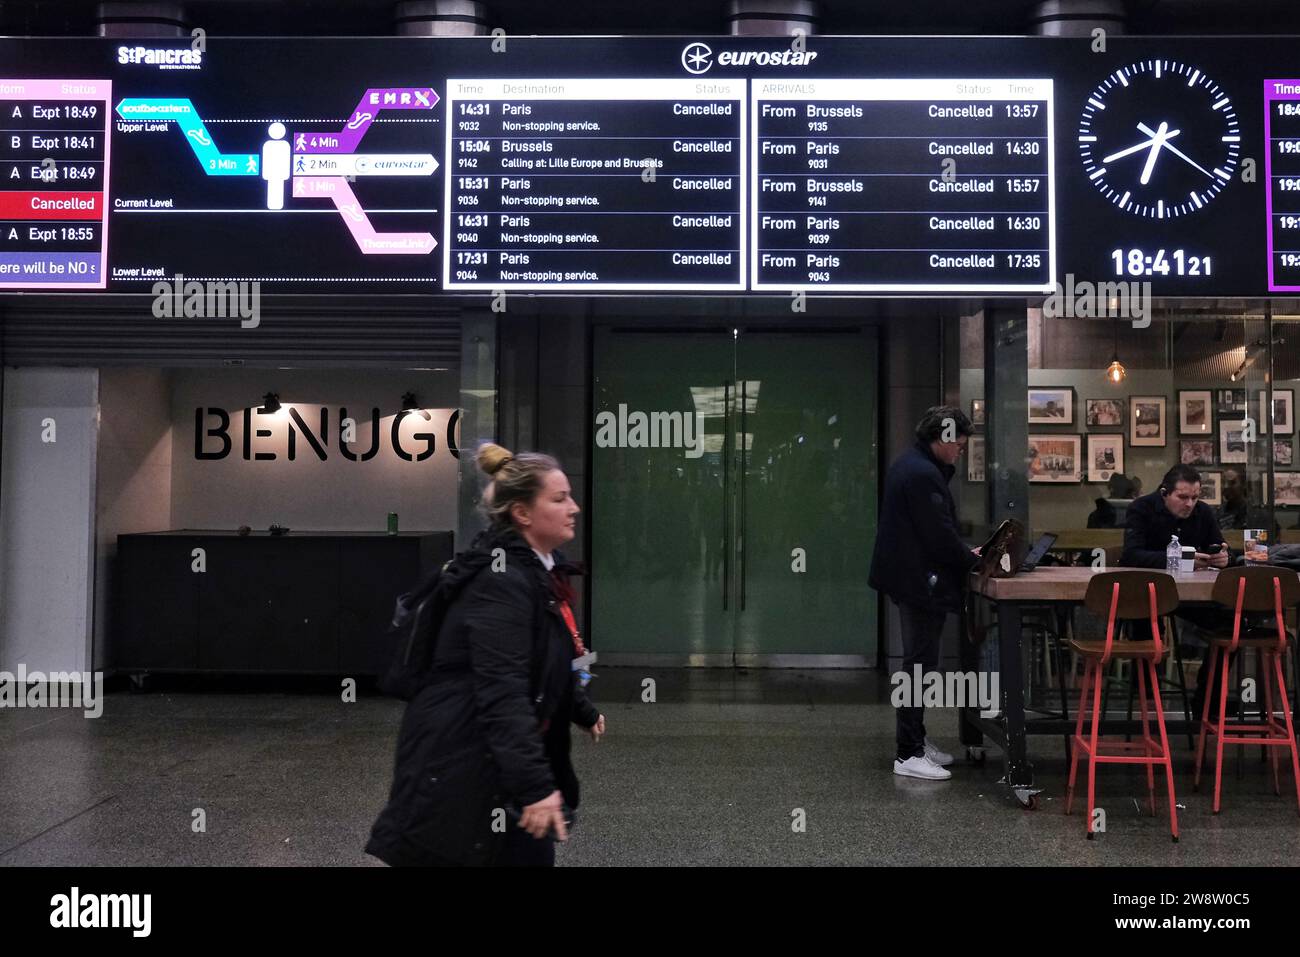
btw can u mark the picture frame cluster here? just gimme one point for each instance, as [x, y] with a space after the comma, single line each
[1210, 433]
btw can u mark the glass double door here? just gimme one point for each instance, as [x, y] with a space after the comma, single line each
[744, 536]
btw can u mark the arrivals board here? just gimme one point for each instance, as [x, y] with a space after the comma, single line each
[903, 185]
[874, 166]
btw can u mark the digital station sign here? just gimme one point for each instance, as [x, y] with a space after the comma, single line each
[607, 184]
[1282, 172]
[903, 185]
[54, 151]
[874, 166]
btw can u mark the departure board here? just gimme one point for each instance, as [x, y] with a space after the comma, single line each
[1282, 171]
[864, 166]
[53, 174]
[903, 185]
[613, 184]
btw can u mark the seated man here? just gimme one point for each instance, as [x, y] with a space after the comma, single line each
[1175, 509]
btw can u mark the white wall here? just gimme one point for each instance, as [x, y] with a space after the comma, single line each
[135, 475]
[307, 493]
[47, 504]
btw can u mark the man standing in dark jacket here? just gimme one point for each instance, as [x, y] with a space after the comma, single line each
[921, 564]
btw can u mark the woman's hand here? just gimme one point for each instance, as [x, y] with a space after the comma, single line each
[546, 815]
[597, 729]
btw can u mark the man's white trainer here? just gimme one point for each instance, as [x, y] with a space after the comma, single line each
[921, 768]
[941, 758]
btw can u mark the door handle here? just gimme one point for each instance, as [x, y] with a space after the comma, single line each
[744, 468]
[726, 492]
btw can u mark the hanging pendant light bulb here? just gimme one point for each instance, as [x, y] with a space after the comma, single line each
[1115, 372]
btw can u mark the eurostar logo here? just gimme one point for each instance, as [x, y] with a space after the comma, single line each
[697, 58]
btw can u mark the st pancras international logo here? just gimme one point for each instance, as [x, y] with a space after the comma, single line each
[697, 58]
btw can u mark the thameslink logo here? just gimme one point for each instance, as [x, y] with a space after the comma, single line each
[653, 430]
[164, 59]
[697, 58]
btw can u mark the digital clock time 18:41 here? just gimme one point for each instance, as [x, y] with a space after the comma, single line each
[1176, 262]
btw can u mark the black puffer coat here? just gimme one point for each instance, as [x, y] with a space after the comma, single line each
[492, 729]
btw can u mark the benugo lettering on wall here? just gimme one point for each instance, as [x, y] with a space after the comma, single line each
[213, 442]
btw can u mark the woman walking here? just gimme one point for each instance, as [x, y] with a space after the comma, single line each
[483, 774]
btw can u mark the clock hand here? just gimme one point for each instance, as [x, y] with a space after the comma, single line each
[1183, 156]
[1156, 144]
[1140, 146]
[1150, 132]
[1122, 153]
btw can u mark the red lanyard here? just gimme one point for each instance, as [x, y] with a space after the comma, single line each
[567, 613]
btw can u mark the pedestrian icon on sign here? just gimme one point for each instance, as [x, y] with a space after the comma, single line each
[275, 166]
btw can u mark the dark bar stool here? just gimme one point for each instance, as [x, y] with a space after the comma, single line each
[1124, 595]
[1260, 588]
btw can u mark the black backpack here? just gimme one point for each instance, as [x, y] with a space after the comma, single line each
[417, 617]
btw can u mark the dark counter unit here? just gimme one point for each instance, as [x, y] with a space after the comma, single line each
[301, 603]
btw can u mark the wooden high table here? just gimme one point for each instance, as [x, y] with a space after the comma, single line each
[1065, 585]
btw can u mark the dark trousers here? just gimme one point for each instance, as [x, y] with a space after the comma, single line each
[922, 627]
[1209, 619]
[523, 850]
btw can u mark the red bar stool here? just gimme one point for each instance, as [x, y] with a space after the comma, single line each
[1258, 588]
[1118, 596]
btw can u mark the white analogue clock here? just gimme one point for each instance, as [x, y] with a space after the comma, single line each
[1159, 139]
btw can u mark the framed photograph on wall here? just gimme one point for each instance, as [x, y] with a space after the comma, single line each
[977, 412]
[1284, 451]
[975, 459]
[1104, 413]
[1196, 452]
[1105, 456]
[1232, 401]
[1286, 488]
[1146, 417]
[1232, 446]
[1212, 488]
[1051, 406]
[1055, 458]
[1283, 408]
[1195, 415]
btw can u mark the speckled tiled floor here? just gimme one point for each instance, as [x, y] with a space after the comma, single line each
[711, 773]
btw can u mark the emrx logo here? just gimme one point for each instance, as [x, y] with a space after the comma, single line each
[697, 58]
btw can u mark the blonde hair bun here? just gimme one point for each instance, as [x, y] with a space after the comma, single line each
[492, 457]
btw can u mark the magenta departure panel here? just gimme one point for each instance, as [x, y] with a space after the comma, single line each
[54, 151]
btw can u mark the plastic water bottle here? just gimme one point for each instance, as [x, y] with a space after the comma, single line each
[1173, 556]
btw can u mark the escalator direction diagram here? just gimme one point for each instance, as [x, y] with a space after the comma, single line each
[316, 164]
